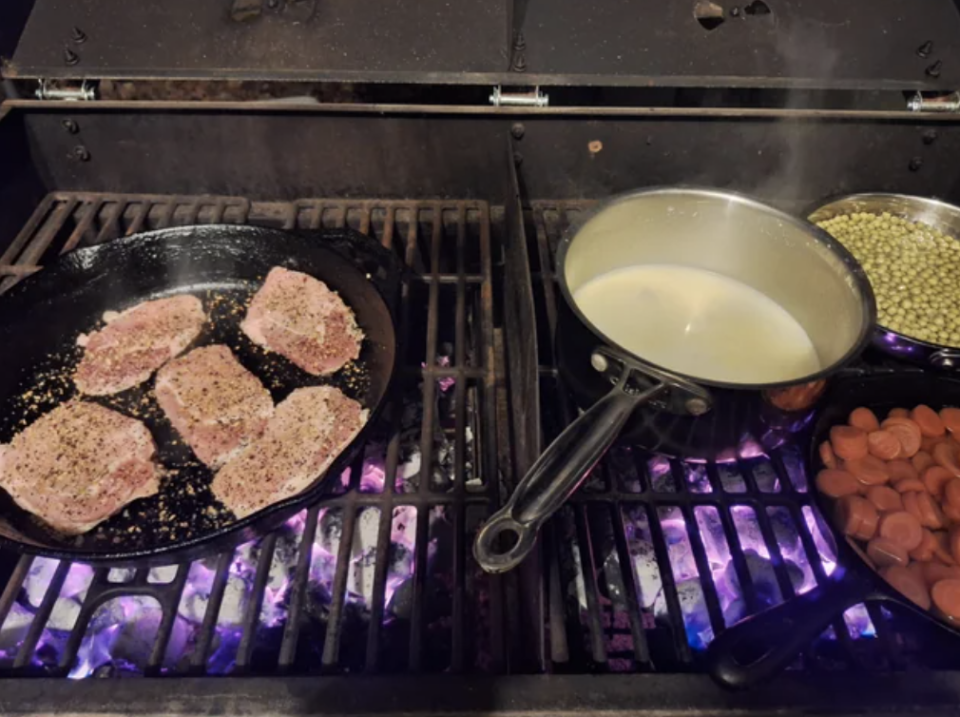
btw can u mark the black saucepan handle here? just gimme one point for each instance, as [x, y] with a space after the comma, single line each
[761, 646]
[510, 534]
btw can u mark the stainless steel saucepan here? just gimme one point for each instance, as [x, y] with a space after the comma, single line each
[789, 260]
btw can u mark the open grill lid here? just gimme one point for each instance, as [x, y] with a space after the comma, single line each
[871, 44]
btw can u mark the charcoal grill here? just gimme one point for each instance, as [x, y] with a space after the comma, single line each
[370, 601]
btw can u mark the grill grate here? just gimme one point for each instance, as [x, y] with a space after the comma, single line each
[445, 424]
[664, 554]
[645, 564]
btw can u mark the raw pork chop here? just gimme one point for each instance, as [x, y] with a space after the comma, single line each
[301, 318]
[307, 432]
[137, 342]
[79, 464]
[213, 402]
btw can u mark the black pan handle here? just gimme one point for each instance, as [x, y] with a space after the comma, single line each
[761, 646]
[510, 534]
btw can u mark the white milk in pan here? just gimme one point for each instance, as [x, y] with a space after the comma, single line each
[699, 323]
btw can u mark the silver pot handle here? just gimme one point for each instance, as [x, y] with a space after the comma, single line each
[510, 534]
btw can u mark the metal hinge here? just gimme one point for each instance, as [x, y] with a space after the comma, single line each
[941, 103]
[84, 93]
[536, 98]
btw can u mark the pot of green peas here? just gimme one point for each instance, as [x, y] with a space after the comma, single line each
[909, 249]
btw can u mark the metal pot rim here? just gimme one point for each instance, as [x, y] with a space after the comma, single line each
[868, 303]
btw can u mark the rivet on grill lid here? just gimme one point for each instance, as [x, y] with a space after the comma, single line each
[925, 49]
[79, 36]
[70, 57]
[934, 69]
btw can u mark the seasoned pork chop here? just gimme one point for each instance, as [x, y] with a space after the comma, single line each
[307, 432]
[300, 318]
[213, 402]
[137, 342]
[79, 464]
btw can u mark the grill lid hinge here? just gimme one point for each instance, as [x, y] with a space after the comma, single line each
[533, 98]
[86, 92]
[940, 103]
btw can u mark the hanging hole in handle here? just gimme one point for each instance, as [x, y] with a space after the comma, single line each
[503, 543]
[506, 540]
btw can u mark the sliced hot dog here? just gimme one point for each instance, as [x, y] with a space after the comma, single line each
[909, 484]
[911, 505]
[942, 551]
[935, 572]
[951, 492]
[869, 470]
[925, 551]
[907, 432]
[837, 483]
[921, 461]
[827, 456]
[849, 442]
[857, 517]
[935, 478]
[908, 584]
[884, 552]
[930, 514]
[864, 419]
[955, 543]
[883, 444]
[945, 455]
[929, 421]
[951, 419]
[901, 527]
[901, 468]
[946, 598]
[884, 498]
[950, 512]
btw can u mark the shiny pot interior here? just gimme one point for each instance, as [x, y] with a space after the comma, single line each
[789, 260]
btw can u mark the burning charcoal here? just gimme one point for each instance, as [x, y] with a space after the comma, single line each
[13, 631]
[695, 616]
[121, 635]
[38, 579]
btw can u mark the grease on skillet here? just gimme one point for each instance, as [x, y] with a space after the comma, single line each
[185, 507]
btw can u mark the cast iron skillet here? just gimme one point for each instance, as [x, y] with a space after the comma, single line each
[761, 646]
[41, 317]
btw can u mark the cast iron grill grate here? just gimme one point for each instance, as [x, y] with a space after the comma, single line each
[654, 556]
[388, 582]
[650, 560]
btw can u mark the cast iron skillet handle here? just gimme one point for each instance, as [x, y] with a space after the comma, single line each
[555, 476]
[761, 646]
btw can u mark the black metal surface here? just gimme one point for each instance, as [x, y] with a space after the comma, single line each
[261, 39]
[787, 159]
[821, 693]
[783, 43]
[797, 41]
[460, 231]
[774, 637]
[221, 264]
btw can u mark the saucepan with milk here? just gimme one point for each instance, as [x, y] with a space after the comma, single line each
[685, 308]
